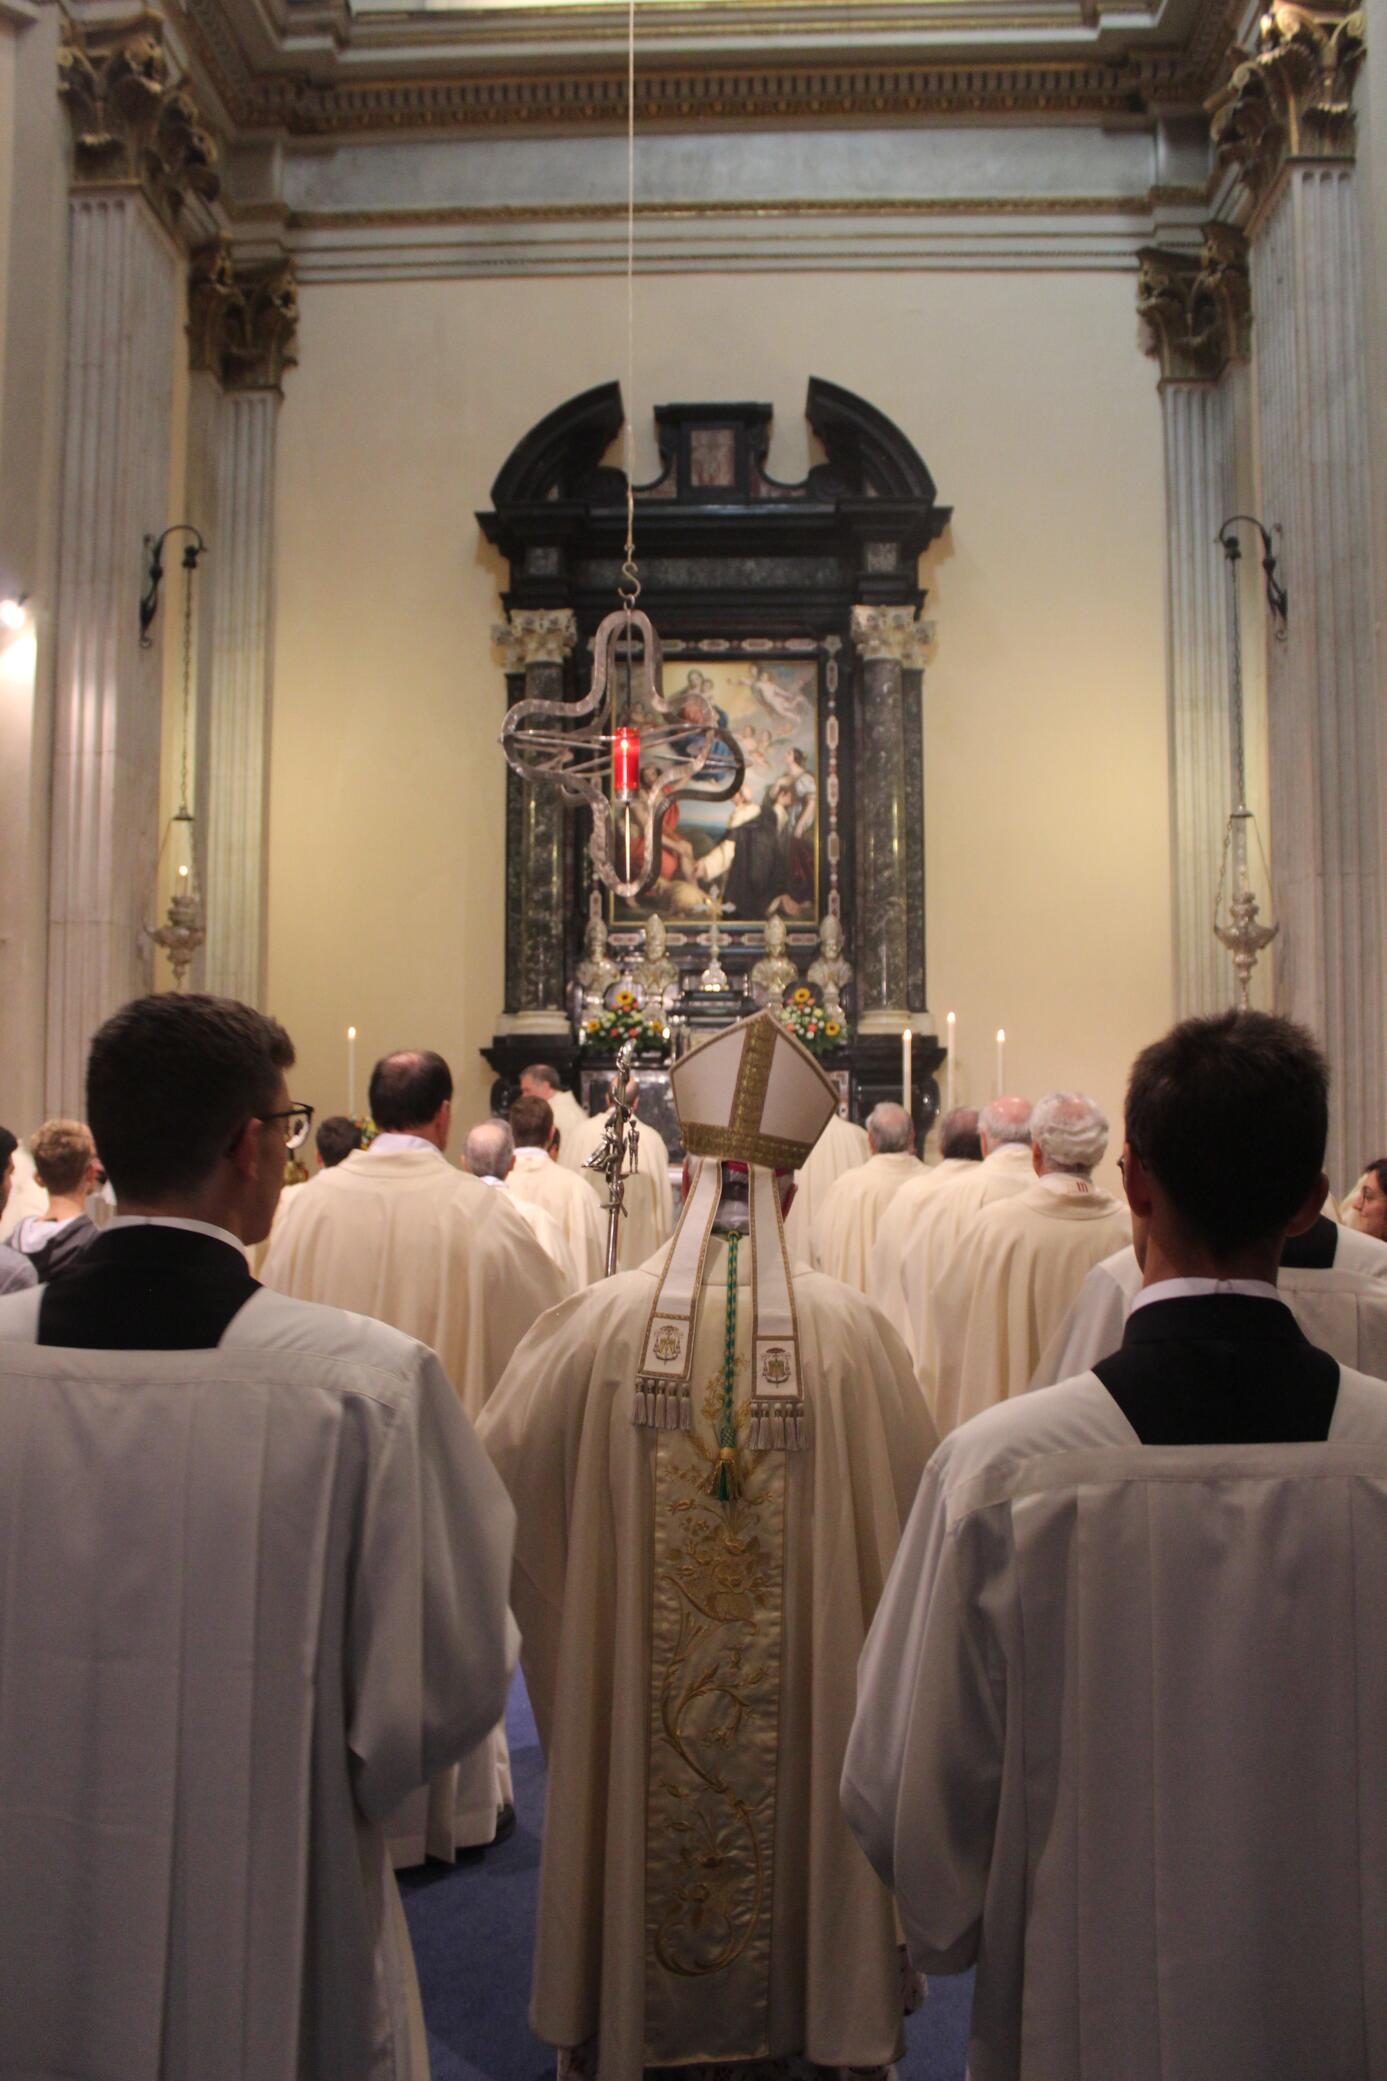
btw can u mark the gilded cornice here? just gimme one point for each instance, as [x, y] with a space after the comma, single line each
[130, 125]
[1196, 308]
[405, 218]
[1292, 99]
[242, 318]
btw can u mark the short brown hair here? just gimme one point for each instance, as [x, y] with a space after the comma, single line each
[171, 1079]
[532, 1123]
[61, 1150]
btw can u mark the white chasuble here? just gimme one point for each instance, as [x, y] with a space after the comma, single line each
[841, 1147]
[842, 1241]
[691, 1665]
[249, 1597]
[566, 1198]
[936, 1227]
[884, 1273]
[1010, 1282]
[403, 1236]
[571, 1120]
[649, 1202]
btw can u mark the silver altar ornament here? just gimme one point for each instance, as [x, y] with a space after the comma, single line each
[1241, 933]
[183, 930]
[774, 973]
[830, 972]
[714, 976]
[655, 974]
[597, 971]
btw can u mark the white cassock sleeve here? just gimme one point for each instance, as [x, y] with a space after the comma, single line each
[431, 1639]
[923, 1770]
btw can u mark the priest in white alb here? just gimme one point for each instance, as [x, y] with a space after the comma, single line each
[840, 1148]
[253, 1590]
[1018, 1266]
[539, 1177]
[542, 1080]
[648, 1198]
[1122, 1712]
[959, 1147]
[843, 1238]
[711, 1458]
[489, 1154]
[933, 1231]
[396, 1231]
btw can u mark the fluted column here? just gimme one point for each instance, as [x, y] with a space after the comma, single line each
[535, 643]
[1287, 127]
[1194, 307]
[889, 954]
[242, 328]
[139, 154]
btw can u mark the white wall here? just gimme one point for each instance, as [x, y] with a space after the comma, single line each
[1045, 733]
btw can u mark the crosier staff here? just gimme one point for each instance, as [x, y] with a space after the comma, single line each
[620, 1140]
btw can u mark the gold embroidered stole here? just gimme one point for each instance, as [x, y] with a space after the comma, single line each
[715, 1665]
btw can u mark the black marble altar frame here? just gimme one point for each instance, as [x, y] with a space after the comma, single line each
[732, 563]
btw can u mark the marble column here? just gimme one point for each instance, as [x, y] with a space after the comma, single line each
[138, 156]
[889, 951]
[1195, 309]
[242, 328]
[535, 643]
[1286, 126]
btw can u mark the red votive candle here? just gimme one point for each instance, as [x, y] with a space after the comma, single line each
[626, 761]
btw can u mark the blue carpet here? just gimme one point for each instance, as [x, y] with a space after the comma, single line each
[473, 1926]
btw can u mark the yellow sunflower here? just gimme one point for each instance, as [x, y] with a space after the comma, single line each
[625, 1000]
[803, 995]
[832, 1028]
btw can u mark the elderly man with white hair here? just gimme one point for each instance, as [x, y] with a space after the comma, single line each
[843, 1238]
[489, 1154]
[1019, 1265]
[1004, 1130]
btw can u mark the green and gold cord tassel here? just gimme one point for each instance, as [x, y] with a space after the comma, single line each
[725, 1485]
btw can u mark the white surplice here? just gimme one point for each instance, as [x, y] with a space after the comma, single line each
[649, 1200]
[566, 1197]
[1008, 1285]
[936, 1227]
[788, 1576]
[842, 1241]
[249, 1597]
[1117, 1734]
[884, 1279]
[841, 1147]
[398, 1233]
[1343, 1309]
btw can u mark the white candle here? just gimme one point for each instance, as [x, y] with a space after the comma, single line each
[1001, 1060]
[951, 1023]
[351, 1072]
[905, 1070]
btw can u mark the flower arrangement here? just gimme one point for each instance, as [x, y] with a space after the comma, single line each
[806, 1019]
[622, 1022]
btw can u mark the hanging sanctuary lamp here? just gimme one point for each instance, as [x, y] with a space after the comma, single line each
[183, 930]
[1238, 927]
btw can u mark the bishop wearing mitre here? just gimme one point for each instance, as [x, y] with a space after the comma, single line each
[711, 1459]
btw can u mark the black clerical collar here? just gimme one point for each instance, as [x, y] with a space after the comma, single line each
[148, 1286]
[1221, 1369]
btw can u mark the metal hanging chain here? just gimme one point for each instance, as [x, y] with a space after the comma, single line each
[630, 586]
[190, 572]
[1277, 603]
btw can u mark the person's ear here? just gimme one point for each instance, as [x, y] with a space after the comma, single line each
[1137, 1184]
[245, 1151]
[1037, 1160]
[1310, 1208]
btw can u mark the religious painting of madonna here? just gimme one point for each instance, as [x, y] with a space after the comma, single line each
[756, 855]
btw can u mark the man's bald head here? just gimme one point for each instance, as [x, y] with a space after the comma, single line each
[890, 1130]
[1004, 1120]
[489, 1151]
[408, 1091]
[958, 1135]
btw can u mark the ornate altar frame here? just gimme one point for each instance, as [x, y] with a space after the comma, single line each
[733, 564]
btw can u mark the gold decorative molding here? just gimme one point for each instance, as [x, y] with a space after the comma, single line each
[1196, 308]
[893, 633]
[1291, 100]
[242, 319]
[130, 126]
[536, 636]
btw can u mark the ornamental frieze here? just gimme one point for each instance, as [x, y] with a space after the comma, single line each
[130, 124]
[1292, 99]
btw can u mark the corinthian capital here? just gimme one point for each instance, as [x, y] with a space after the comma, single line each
[243, 318]
[1292, 98]
[891, 632]
[130, 125]
[1196, 307]
[536, 636]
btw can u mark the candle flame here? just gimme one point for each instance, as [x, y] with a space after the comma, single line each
[351, 1033]
[182, 870]
[952, 1017]
[1001, 1035]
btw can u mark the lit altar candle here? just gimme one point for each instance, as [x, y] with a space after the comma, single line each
[951, 1023]
[905, 1070]
[351, 1072]
[1001, 1060]
[626, 762]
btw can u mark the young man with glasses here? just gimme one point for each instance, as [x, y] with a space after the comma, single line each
[252, 1595]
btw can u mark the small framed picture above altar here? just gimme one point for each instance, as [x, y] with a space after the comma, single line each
[757, 855]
